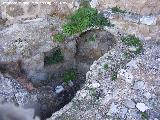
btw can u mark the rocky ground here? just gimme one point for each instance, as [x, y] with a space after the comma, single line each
[134, 95]
[118, 86]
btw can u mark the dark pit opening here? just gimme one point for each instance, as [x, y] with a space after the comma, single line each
[77, 55]
[64, 71]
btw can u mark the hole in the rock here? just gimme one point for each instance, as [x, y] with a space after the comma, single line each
[64, 71]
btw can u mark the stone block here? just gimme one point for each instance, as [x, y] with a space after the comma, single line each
[132, 18]
[14, 10]
[143, 30]
[148, 20]
[32, 8]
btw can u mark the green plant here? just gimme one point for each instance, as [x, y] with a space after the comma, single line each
[132, 40]
[114, 76]
[127, 55]
[54, 58]
[106, 66]
[59, 37]
[144, 116]
[117, 10]
[93, 93]
[82, 19]
[69, 75]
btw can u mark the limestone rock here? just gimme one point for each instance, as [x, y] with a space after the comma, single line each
[128, 77]
[32, 8]
[139, 85]
[148, 20]
[113, 109]
[93, 3]
[132, 18]
[142, 107]
[130, 104]
[94, 85]
[147, 95]
[123, 112]
[59, 89]
[14, 10]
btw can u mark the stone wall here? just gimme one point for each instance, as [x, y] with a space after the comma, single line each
[28, 8]
[142, 17]
[143, 26]
[14, 10]
[143, 7]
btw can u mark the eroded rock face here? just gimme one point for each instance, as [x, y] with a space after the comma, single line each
[94, 43]
[14, 10]
[26, 41]
[12, 68]
[32, 8]
[91, 45]
[149, 20]
[101, 98]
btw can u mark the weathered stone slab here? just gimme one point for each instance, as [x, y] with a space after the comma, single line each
[148, 20]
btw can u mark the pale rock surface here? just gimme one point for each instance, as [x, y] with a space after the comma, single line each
[142, 107]
[93, 3]
[139, 85]
[117, 99]
[130, 104]
[59, 89]
[148, 20]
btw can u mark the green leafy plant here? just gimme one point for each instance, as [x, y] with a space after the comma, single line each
[114, 76]
[59, 37]
[132, 40]
[95, 95]
[82, 19]
[144, 116]
[106, 66]
[117, 10]
[54, 58]
[69, 75]
[127, 55]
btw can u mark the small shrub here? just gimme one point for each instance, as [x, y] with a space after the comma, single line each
[59, 37]
[69, 75]
[55, 58]
[132, 40]
[144, 116]
[117, 10]
[114, 76]
[82, 19]
[93, 93]
[127, 55]
[106, 66]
